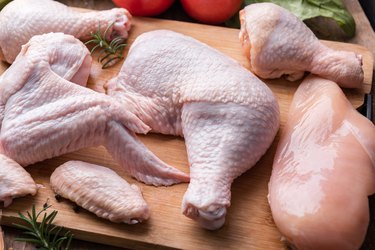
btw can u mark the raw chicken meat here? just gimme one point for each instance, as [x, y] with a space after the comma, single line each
[22, 19]
[228, 117]
[323, 170]
[278, 43]
[45, 115]
[15, 181]
[101, 191]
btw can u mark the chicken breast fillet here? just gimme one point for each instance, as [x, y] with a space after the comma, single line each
[324, 170]
[278, 43]
[101, 191]
[180, 86]
[44, 114]
[22, 19]
[15, 181]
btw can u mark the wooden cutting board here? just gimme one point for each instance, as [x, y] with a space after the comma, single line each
[249, 222]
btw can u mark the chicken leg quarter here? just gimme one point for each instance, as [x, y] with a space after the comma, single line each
[22, 19]
[228, 117]
[45, 115]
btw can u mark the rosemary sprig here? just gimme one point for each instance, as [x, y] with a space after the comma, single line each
[110, 52]
[44, 234]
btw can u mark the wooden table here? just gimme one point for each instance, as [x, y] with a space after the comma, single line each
[364, 36]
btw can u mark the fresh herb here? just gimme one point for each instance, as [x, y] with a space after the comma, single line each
[44, 234]
[328, 19]
[110, 52]
[3, 3]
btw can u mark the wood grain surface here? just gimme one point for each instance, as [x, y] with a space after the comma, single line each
[249, 221]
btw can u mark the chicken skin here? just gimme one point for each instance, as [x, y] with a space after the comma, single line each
[14, 181]
[101, 191]
[45, 115]
[228, 117]
[22, 19]
[323, 170]
[278, 43]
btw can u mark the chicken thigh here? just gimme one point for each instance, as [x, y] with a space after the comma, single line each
[228, 117]
[15, 181]
[323, 170]
[278, 43]
[101, 191]
[45, 115]
[22, 19]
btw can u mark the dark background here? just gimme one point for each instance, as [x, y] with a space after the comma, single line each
[368, 7]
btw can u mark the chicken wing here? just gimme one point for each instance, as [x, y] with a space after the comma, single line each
[101, 191]
[15, 181]
[45, 115]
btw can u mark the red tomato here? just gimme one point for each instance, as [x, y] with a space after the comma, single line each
[211, 11]
[144, 7]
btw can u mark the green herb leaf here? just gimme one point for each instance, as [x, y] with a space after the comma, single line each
[309, 9]
[110, 51]
[40, 232]
[3, 3]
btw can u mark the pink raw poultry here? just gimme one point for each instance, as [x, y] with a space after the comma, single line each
[101, 191]
[278, 43]
[15, 181]
[228, 117]
[22, 19]
[323, 170]
[44, 114]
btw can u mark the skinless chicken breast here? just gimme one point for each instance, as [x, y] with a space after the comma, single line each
[323, 170]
